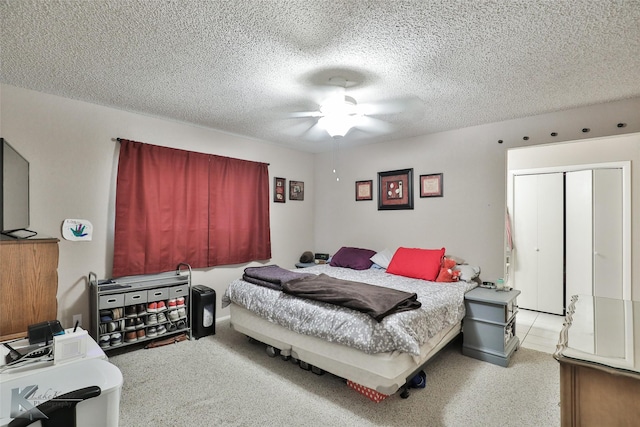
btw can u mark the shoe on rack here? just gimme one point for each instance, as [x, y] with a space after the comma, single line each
[180, 302]
[105, 341]
[173, 315]
[182, 313]
[172, 303]
[130, 337]
[139, 323]
[151, 331]
[129, 324]
[116, 339]
[106, 318]
[171, 326]
[141, 334]
[162, 318]
[161, 306]
[152, 307]
[161, 330]
[130, 311]
[152, 319]
[141, 309]
[112, 326]
[181, 324]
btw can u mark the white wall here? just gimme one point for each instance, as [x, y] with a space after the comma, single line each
[73, 159]
[469, 220]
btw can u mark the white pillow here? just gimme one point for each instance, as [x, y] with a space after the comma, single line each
[458, 260]
[382, 258]
[467, 272]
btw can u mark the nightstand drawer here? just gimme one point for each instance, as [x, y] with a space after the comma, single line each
[491, 312]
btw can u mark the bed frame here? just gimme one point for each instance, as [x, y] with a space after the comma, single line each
[386, 373]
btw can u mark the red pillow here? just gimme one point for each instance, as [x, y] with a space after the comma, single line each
[417, 263]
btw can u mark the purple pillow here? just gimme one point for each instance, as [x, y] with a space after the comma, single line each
[354, 258]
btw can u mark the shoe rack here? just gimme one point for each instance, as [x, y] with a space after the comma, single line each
[133, 309]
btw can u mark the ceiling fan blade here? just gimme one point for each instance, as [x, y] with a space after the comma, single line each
[316, 133]
[301, 114]
[298, 127]
[373, 125]
[394, 106]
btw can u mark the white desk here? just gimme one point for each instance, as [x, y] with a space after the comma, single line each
[53, 380]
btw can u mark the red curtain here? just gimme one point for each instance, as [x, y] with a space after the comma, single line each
[239, 211]
[163, 214]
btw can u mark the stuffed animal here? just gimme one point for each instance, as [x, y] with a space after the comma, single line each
[447, 273]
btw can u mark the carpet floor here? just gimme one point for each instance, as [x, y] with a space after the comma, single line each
[227, 380]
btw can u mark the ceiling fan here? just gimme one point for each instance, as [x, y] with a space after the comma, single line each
[339, 113]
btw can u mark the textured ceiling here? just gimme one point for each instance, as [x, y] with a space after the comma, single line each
[243, 66]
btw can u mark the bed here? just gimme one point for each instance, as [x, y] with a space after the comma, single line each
[379, 356]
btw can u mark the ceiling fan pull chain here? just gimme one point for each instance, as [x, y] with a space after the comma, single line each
[336, 159]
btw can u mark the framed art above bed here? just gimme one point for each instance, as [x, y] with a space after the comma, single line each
[395, 189]
[431, 185]
[364, 190]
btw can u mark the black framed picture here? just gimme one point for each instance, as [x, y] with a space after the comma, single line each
[431, 185]
[395, 189]
[296, 190]
[279, 191]
[364, 190]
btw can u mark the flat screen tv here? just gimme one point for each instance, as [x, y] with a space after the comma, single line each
[14, 193]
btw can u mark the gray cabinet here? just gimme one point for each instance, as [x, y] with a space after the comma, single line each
[489, 326]
[134, 309]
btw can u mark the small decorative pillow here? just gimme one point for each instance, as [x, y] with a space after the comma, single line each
[417, 263]
[382, 258]
[354, 258]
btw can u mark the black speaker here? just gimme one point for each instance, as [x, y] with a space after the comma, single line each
[203, 311]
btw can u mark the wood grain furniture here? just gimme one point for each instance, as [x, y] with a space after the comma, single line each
[28, 284]
[489, 325]
[599, 356]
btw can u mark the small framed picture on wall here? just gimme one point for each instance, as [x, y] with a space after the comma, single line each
[296, 190]
[431, 185]
[279, 191]
[364, 190]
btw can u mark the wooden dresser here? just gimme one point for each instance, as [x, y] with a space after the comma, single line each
[28, 284]
[599, 355]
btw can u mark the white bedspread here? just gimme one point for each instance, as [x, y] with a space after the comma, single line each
[442, 307]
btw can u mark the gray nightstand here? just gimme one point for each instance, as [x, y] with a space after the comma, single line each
[489, 326]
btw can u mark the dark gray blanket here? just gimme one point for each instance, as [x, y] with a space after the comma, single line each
[270, 276]
[376, 301]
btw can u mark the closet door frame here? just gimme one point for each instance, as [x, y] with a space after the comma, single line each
[626, 211]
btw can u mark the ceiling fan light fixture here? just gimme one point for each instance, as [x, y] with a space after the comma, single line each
[336, 125]
[339, 115]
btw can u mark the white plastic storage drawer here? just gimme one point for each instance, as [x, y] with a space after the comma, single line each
[111, 301]
[157, 294]
[179, 291]
[131, 298]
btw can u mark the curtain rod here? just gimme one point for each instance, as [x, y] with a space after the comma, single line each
[120, 139]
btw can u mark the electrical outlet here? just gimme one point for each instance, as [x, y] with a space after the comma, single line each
[77, 318]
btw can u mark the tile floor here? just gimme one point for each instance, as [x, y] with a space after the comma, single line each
[538, 331]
